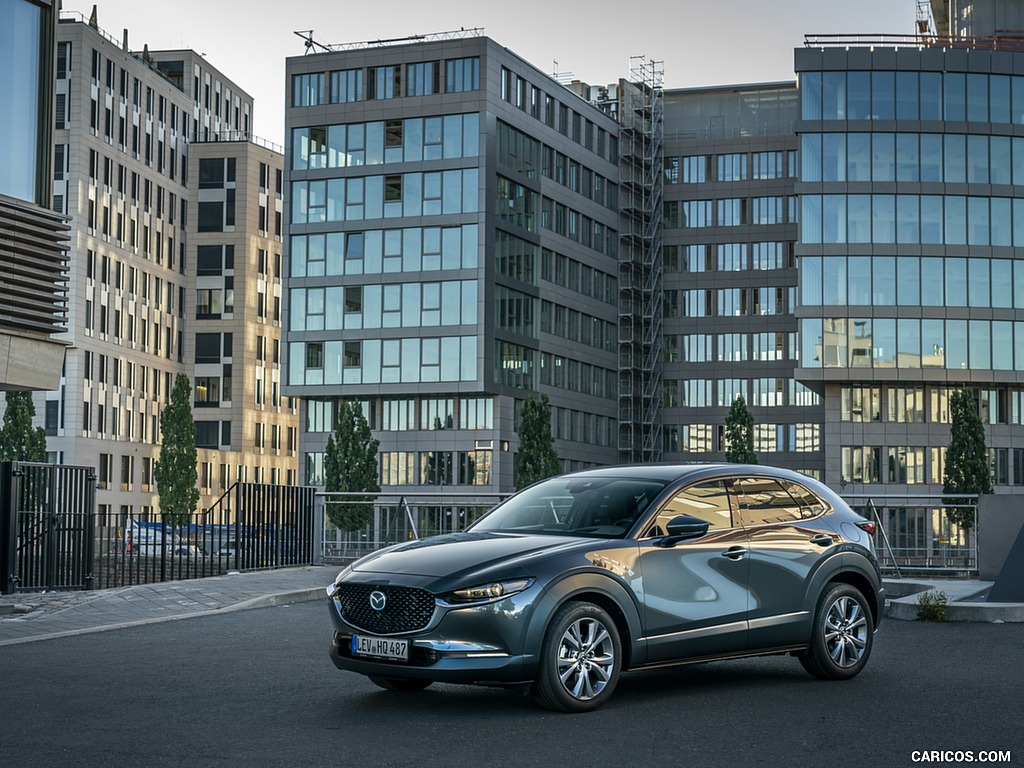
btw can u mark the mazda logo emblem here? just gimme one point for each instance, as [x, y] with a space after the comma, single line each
[378, 600]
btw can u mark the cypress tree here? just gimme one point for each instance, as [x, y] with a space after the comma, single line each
[537, 459]
[739, 433]
[175, 472]
[19, 441]
[350, 465]
[967, 467]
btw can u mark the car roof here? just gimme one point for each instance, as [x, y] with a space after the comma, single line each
[666, 473]
[669, 472]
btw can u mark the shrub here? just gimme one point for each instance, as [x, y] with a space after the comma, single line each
[931, 606]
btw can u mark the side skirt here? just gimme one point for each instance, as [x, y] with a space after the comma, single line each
[794, 650]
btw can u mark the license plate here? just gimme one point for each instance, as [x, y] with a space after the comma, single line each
[380, 647]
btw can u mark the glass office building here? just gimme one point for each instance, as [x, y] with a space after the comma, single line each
[730, 276]
[33, 258]
[450, 249]
[911, 281]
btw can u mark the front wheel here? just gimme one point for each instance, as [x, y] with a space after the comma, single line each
[580, 660]
[843, 633]
[400, 684]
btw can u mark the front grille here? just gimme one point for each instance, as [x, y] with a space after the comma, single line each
[406, 609]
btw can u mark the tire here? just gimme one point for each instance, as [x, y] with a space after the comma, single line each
[843, 634]
[400, 684]
[580, 660]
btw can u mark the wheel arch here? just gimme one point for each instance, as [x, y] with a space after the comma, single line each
[861, 584]
[604, 592]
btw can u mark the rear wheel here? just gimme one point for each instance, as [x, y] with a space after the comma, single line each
[843, 633]
[580, 660]
[400, 684]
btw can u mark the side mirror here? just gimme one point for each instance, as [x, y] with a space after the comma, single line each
[684, 527]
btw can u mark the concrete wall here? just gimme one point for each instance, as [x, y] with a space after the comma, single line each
[999, 521]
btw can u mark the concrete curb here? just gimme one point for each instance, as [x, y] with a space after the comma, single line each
[904, 607]
[264, 601]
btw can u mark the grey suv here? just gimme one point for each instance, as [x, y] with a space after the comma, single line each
[577, 578]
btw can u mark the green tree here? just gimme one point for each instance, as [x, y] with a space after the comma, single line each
[739, 433]
[175, 472]
[537, 458]
[967, 469]
[350, 466]
[18, 440]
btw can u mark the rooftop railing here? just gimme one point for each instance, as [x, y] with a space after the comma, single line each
[205, 137]
[1010, 41]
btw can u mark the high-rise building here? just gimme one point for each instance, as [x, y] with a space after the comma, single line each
[451, 249]
[911, 277]
[245, 430]
[33, 240]
[730, 228]
[141, 210]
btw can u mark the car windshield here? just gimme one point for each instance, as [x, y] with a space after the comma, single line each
[603, 507]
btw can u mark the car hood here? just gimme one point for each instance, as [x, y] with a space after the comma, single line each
[455, 553]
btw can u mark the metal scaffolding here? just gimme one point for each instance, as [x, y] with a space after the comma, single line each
[640, 112]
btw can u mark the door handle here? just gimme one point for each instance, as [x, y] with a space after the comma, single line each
[822, 540]
[735, 553]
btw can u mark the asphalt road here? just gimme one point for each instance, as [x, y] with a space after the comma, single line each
[256, 688]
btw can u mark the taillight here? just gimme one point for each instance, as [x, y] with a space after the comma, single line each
[868, 526]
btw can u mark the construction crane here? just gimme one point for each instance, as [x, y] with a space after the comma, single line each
[925, 26]
[311, 44]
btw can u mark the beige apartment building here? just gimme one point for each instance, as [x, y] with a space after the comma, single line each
[126, 123]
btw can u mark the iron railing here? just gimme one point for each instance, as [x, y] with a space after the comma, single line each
[919, 532]
[372, 521]
[251, 526]
[46, 527]
[52, 538]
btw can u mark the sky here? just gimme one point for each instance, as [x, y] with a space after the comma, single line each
[699, 42]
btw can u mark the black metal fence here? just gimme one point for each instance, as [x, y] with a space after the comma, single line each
[46, 527]
[52, 539]
[251, 527]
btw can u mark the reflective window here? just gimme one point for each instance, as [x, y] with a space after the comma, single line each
[22, 46]
[858, 95]
[705, 501]
[308, 90]
[346, 86]
[763, 501]
[462, 75]
[907, 97]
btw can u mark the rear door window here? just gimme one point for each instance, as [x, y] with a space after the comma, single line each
[763, 501]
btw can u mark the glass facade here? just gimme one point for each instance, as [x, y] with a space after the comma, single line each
[731, 222]
[24, 47]
[449, 252]
[910, 281]
[926, 233]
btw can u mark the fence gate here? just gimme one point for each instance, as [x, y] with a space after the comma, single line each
[46, 526]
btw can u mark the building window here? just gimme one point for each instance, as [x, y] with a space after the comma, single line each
[207, 391]
[346, 86]
[462, 75]
[308, 90]
[384, 82]
[422, 79]
[207, 434]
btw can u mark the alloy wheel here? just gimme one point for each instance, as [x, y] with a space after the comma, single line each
[586, 658]
[846, 630]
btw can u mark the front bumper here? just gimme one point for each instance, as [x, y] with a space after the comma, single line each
[470, 644]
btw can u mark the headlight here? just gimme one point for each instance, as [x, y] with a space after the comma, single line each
[491, 591]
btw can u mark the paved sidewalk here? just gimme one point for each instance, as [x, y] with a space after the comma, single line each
[39, 616]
